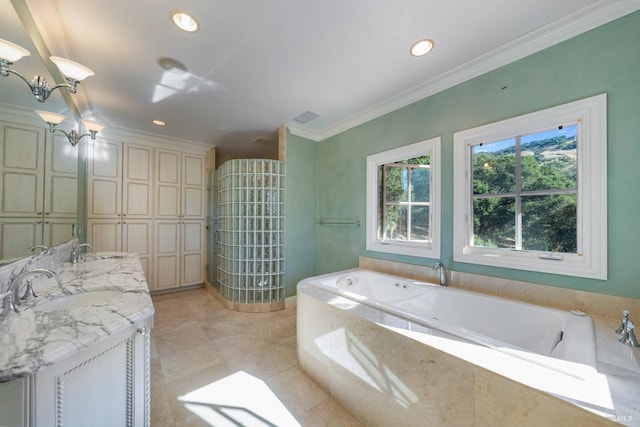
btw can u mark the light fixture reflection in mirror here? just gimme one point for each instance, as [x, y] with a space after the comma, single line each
[54, 119]
[73, 72]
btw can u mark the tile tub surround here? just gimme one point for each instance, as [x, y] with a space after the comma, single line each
[31, 340]
[409, 377]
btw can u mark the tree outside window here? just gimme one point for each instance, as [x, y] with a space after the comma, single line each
[525, 192]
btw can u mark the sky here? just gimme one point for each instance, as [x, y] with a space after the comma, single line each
[568, 131]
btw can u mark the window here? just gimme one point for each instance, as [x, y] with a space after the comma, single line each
[403, 200]
[530, 192]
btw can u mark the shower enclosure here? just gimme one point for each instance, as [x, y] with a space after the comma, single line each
[250, 202]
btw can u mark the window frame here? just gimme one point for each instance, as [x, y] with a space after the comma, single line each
[421, 249]
[590, 261]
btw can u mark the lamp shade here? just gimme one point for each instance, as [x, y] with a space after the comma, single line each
[71, 69]
[49, 117]
[11, 51]
[93, 126]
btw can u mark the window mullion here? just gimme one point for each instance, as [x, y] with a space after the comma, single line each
[518, 184]
[409, 200]
[383, 204]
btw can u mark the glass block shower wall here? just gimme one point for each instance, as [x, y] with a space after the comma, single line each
[251, 231]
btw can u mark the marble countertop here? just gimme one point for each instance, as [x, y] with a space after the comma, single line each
[33, 339]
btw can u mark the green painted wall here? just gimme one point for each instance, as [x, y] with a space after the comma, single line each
[300, 228]
[606, 59]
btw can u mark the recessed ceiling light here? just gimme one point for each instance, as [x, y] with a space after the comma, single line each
[158, 122]
[421, 47]
[184, 21]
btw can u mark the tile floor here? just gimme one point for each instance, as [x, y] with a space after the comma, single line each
[198, 345]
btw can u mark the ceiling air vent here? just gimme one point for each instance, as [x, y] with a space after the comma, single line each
[306, 117]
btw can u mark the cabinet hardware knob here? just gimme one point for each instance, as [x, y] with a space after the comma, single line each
[142, 331]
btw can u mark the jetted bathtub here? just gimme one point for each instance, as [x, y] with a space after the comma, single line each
[538, 334]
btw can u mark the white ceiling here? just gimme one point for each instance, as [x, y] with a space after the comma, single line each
[257, 64]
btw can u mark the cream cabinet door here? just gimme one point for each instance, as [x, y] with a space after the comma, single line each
[101, 385]
[104, 189]
[105, 235]
[17, 235]
[193, 187]
[14, 409]
[168, 184]
[137, 181]
[58, 230]
[137, 237]
[61, 183]
[21, 170]
[193, 252]
[166, 255]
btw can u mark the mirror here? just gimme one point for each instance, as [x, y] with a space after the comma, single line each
[38, 170]
[38, 184]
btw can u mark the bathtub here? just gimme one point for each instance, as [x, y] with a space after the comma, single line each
[538, 334]
[420, 351]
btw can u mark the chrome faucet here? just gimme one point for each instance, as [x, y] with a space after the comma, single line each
[626, 330]
[439, 266]
[43, 248]
[75, 255]
[11, 298]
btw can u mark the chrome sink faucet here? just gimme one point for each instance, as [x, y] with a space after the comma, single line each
[75, 255]
[33, 249]
[439, 266]
[11, 299]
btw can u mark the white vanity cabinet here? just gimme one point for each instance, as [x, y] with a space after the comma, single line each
[106, 384]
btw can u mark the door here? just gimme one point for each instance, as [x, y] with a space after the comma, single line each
[21, 170]
[17, 235]
[104, 189]
[58, 230]
[105, 235]
[137, 237]
[193, 187]
[61, 183]
[192, 253]
[167, 255]
[168, 179]
[137, 182]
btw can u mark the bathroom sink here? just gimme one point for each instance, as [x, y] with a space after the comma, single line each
[70, 302]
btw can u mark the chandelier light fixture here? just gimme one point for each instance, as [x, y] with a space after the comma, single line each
[73, 72]
[54, 119]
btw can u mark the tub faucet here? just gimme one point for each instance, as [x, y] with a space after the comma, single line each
[12, 297]
[75, 255]
[439, 266]
[629, 338]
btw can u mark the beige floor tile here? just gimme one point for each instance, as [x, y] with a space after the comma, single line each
[297, 391]
[161, 413]
[196, 342]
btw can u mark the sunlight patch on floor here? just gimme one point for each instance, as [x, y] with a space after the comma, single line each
[239, 399]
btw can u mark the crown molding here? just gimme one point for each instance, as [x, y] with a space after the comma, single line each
[581, 21]
[160, 141]
[22, 115]
[303, 132]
